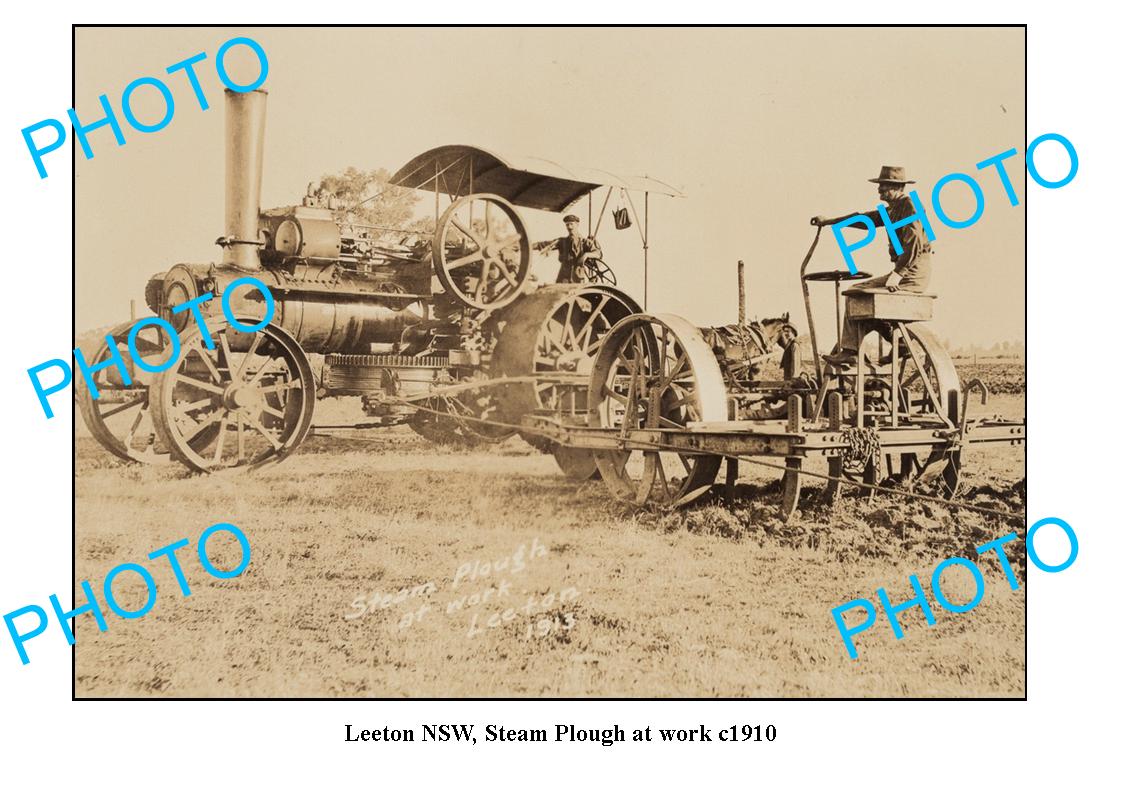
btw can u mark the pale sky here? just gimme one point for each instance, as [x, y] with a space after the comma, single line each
[761, 128]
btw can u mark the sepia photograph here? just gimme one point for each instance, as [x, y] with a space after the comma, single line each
[474, 362]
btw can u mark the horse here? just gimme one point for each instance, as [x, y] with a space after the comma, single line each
[741, 349]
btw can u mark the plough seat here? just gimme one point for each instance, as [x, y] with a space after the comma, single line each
[880, 305]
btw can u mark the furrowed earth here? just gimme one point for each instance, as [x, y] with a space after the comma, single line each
[721, 599]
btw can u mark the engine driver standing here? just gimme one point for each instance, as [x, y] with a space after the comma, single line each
[573, 251]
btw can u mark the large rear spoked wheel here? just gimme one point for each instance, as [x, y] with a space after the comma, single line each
[246, 403]
[120, 418]
[554, 335]
[656, 372]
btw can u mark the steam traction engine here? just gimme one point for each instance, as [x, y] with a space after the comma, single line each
[447, 333]
[408, 326]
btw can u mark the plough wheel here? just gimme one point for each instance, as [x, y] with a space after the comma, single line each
[932, 366]
[930, 393]
[656, 372]
[120, 418]
[246, 403]
[555, 332]
[935, 366]
[481, 251]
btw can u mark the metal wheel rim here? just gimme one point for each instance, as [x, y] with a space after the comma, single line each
[938, 365]
[131, 426]
[656, 371]
[940, 369]
[257, 388]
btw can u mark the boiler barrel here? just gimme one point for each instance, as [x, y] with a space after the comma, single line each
[344, 327]
[321, 319]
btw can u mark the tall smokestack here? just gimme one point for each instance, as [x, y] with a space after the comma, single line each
[245, 146]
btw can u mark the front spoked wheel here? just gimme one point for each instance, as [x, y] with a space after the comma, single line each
[244, 404]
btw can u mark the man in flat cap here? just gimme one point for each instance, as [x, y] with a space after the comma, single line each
[573, 251]
[912, 268]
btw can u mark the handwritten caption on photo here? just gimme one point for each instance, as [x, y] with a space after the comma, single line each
[492, 605]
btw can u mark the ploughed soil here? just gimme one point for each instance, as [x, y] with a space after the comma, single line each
[383, 565]
[1001, 376]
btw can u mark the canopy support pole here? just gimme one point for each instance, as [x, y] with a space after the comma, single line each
[607, 196]
[642, 235]
[645, 228]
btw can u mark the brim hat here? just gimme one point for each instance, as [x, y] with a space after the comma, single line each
[895, 174]
[571, 217]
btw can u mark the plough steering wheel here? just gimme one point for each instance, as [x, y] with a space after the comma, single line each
[595, 271]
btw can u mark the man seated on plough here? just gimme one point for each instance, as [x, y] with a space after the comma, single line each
[912, 268]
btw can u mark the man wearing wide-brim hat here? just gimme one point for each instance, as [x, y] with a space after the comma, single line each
[912, 268]
[573, 251]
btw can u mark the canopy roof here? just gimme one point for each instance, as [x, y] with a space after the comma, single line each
[527, 182]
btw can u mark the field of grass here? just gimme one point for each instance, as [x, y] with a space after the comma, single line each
[718, 600]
